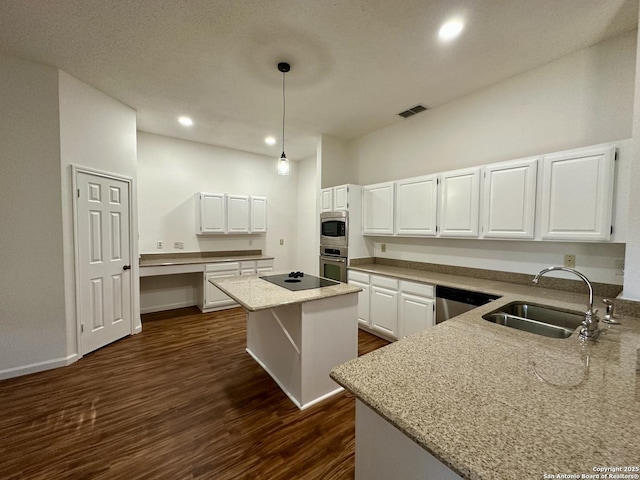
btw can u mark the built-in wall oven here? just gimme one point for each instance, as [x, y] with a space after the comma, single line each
[333, 262]
[334, 229]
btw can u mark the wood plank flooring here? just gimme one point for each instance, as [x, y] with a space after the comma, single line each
[181, 400]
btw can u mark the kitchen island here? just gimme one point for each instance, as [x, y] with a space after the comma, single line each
[472, 399]
[298, 336]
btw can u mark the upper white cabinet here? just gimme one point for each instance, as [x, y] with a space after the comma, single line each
[509, 199]
[238, 214]
[334, 199]
[227, 213]
[212, 213]
[459, 203]
[577, 194]
[377, 209]
[258, 214]
[416, 206]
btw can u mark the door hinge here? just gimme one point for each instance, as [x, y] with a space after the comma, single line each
[436, 228]
[615, 156]
[78, 193]
[611, 229]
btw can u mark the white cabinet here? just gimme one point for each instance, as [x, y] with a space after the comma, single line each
[359, 279]
[334, 199]
[509, 200]
[264, 266]
[238, 214]
[377, 208]
[230, 213]
[416, 310]
[383, 305]
[258, 222]
[459, 203]
[214, 298]
[577, 194]
[416, 206]
[212, 213]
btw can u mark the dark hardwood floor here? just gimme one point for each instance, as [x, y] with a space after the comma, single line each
[181, 400]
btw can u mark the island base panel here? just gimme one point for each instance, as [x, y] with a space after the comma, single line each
[384, 452]
[298, 345]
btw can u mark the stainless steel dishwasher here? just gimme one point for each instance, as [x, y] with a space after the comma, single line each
[451, 302]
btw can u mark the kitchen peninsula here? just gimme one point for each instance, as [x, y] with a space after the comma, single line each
[298, 336]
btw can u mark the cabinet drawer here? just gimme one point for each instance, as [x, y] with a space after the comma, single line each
[384, 282]
[222, 267]
[358, 276]
[264, 263]
[420, 289]
[248, 264]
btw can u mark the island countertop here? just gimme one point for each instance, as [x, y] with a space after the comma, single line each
[255, 294]
[492, 402]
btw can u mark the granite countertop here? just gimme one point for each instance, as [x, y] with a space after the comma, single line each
[492, 402]
[254, 294]
[163, 259]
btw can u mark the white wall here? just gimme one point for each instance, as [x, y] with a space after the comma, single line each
[334, 162]
[32, 308]
[308, 243]
[97, 132]
[172, 171]
[582, 99]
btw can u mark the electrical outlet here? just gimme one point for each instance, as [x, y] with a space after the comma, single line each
[159, 245]
[570, 261]
[179, 245]
[620, 267]
[282, 241]
[383, 247]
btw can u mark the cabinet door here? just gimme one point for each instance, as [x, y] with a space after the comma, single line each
[509, 201]
[416, 314]
[384, 311]
[416, 206]
[213, 213]
[258, 214]
[326, 200]
[341, 197]
[237, 214]
[577, 194]
[377, 209]
[459, 203]
[214, 297]
[363, 302]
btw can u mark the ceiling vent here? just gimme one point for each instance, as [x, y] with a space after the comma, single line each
[413, 110]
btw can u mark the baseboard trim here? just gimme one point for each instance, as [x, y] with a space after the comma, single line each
[38, 367]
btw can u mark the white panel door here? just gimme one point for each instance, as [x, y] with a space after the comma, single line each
[377, 209]
[363, 302]
[509, 200]
[326, 200]
[213, 213]
[577, 194]
[341, 197]
[104, 268]
[214, 297]
[383, 311]
[416, 314]
[416, 206]
[238, 214]
[459, 204]
[258, 214]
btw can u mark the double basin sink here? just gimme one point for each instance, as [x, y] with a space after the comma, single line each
[537, 319]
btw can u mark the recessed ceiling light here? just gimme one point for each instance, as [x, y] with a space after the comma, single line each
[270, 140]
[186, 121]
[450, 30]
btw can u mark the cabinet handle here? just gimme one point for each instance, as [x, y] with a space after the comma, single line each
[126, 267]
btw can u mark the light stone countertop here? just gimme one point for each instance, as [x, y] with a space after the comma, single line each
[492, 402]
[254, 294]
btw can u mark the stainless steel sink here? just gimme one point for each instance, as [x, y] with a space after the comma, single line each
[537, 319]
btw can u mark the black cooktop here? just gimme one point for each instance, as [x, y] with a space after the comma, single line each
[295, 281]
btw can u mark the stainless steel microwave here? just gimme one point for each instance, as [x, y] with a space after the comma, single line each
[334, 229]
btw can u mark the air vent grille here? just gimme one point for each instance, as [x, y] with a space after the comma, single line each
[413, 110]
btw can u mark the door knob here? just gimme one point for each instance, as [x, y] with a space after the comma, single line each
[126, 267]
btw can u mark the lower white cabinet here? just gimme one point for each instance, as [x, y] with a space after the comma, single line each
[393, 308]
[213, 297]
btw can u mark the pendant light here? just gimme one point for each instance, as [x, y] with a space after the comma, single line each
[283, 162]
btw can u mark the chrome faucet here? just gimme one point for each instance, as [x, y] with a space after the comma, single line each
[589, 330]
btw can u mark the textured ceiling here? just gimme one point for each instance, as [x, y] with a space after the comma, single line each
[355, 64]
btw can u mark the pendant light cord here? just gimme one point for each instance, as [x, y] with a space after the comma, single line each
[284, 111]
